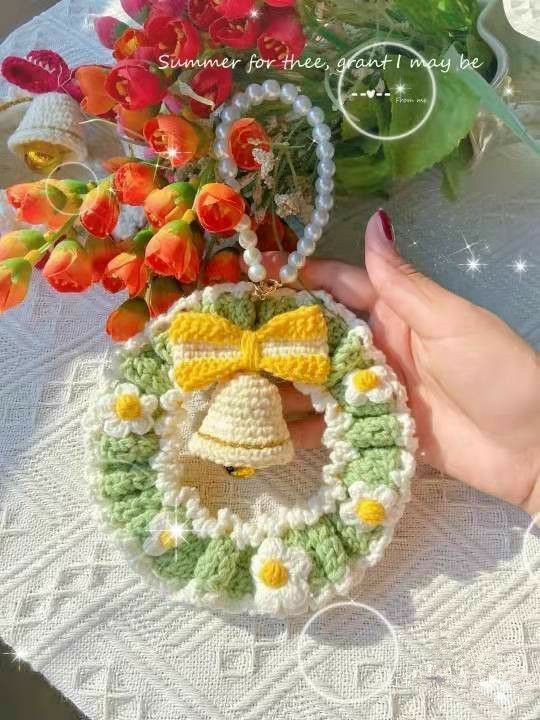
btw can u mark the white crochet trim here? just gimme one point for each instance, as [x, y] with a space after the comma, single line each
[255, 531]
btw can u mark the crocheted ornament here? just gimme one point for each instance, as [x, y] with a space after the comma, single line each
[50, 133]
[183, 387]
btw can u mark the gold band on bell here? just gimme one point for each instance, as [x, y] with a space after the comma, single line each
[243, 446]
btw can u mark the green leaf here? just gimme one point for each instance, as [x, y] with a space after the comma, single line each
[454, 168]
[439, 17]
[453, 116]
[490, 100]
[361, 173]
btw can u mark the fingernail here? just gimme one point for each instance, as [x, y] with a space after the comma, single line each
[386, 225]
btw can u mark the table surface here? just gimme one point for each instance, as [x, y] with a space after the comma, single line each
[459, 584]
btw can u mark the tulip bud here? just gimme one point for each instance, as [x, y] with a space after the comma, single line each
[223, 267]
[69, 268]
[108, 30]
[20, 242]
[100, 211]
[137, 9]
[101, 252]
[134, 181]
[172, 251]
[162, 293]
[173, 138]
[15, 274]
[128, 269]
[169, 203]
[128, 319]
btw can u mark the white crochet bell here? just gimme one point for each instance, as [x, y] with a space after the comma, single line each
[244, 427]
[50, 133]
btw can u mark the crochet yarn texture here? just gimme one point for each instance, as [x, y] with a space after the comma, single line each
[283, 561]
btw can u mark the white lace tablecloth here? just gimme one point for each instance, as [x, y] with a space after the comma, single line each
[460, 585]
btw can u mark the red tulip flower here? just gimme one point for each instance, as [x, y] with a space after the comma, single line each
[20, 242]
[108, 30]
[172, 137]
[173, 36]
[169, 203]
[219, 208]
[237, 34]
[282, 37]
[203, 12]
[15, 274]
[235, 9]
[127, 269]
[128, 43]
[162, 293]
[100, 210]
[135, 86]
[274, 234]
[245, 136]
[215, 84]
[134, 181]
[172, 251]
[128, 320]
[223, 267]
[68, 268]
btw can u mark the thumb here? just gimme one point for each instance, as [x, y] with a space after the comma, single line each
[413, 297]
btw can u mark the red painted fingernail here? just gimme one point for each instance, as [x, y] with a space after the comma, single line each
[387, 226]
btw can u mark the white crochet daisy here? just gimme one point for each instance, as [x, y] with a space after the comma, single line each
[126, 411]
[370, 507]
[166, 533]
[280, 574]
[369, 385]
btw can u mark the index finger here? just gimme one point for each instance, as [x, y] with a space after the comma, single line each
[347, 284]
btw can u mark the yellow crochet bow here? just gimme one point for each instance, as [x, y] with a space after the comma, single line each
[292, 346]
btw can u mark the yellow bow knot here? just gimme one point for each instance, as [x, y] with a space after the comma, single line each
[208, 348]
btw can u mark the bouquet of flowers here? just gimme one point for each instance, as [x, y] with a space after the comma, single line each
[179, 87]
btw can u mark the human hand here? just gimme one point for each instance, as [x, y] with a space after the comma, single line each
[473, 384]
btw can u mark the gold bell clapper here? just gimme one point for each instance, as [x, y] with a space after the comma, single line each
[244, 429]
[43, 157]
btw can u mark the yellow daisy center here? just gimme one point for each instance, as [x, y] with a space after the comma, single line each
[167, 540]
[128, 407]
[365, 380]
[371, 512]
[274, 574]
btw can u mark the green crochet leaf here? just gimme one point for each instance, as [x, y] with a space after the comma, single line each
[242, 583]
[121, 480]
[239, 310]
[337, 329]
[148, 371]
[368, 409]
[126, 509]
[355, 542]
[180, 564]
[373, 466]
[383, 431]
[324, 547]
[132, 449]
[349, 355]
[162, 346]
[272, 306]
[217, 567]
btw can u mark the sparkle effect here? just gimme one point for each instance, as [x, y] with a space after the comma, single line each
[400, 88]
[520, 267]
[473, 264]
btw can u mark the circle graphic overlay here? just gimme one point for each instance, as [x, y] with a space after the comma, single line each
[382, 92]
[353, 644]
[530, 550]
[55, 175]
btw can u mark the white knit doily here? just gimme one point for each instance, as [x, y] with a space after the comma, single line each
[458, 585]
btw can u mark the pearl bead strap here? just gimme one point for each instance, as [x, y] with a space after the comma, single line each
[301, 105]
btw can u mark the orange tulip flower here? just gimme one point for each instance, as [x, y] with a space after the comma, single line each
[245, 136]
[15, 274]
[162, 293]
[128, 320]
[219, 208]
[172, 251]
[100, 210]
[128, 43]
[96, 100]
[223, 267]
[128, 269]
[68, 268]
[172, 137]
[134, 181]
[169, 203]
[47, 202]
[19, 242]
[101, 252]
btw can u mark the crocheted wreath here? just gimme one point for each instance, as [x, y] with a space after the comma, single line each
[145, 441]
